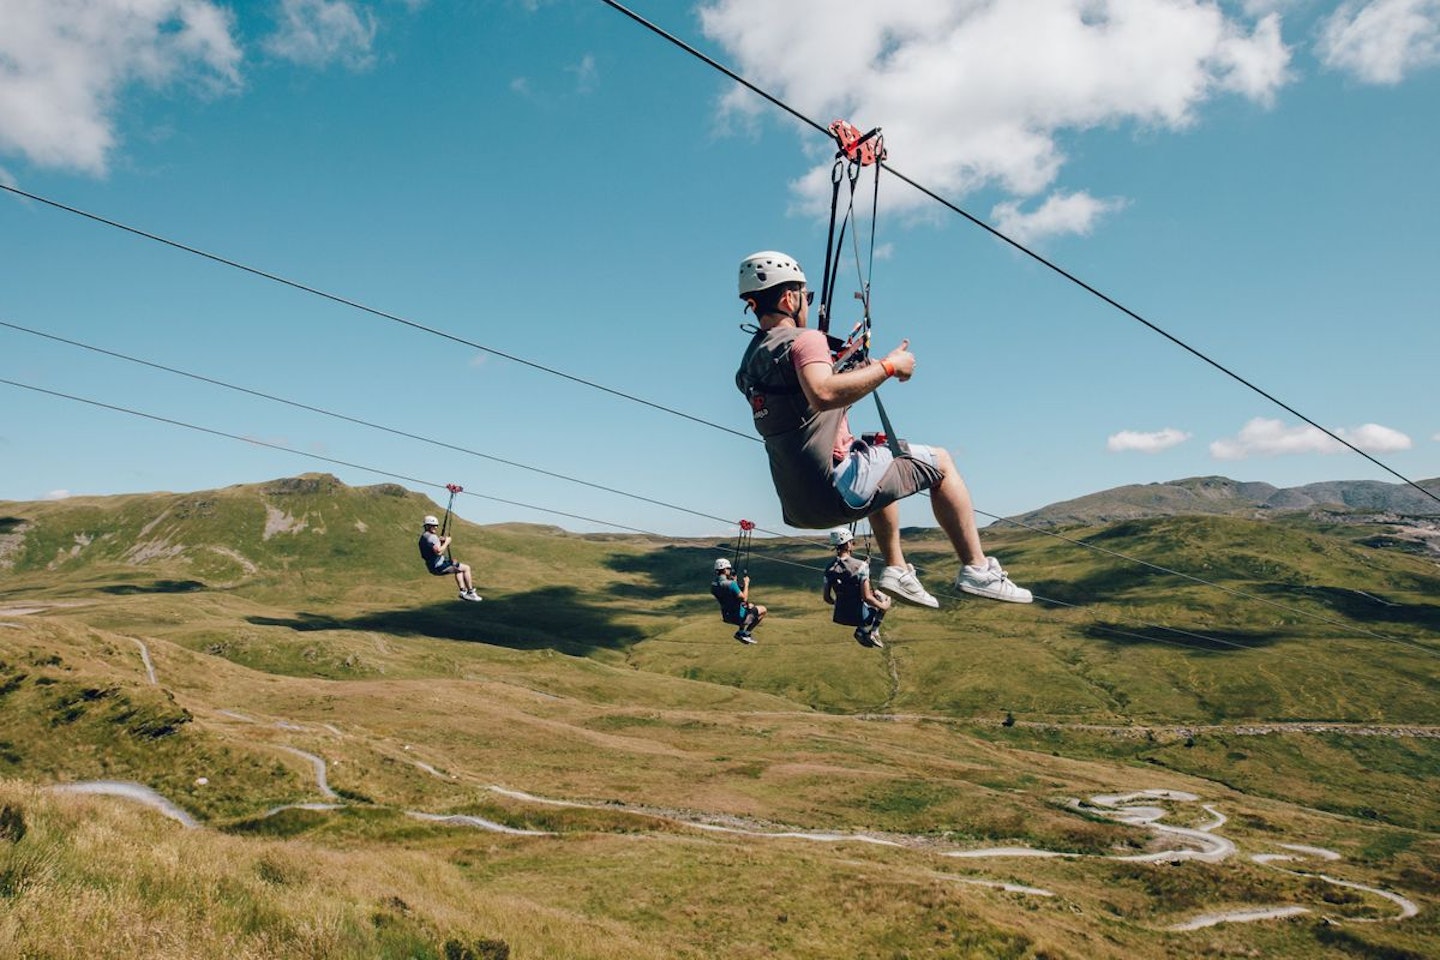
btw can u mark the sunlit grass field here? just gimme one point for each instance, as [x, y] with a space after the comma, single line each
[625, 780]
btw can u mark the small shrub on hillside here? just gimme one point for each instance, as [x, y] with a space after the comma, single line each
[1355, 945]
[482, 949]
[12, 824]
[10, 679]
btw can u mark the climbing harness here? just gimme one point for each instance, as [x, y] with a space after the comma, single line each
[741, 558]
[856, 151]
[454, 488]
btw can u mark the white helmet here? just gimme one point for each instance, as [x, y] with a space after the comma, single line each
[722, 564]
[431, 522]
[765, 269]
[840, 536]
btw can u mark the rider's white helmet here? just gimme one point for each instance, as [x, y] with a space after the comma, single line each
[722, 564]
[765, 269]
[840, 536]
[431, 522]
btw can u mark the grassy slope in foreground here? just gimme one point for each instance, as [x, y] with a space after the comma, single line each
[597, 673]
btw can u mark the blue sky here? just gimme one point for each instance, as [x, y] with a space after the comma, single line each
[550, 180]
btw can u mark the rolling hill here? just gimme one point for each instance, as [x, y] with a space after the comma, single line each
[1221, 496]
[586, 765]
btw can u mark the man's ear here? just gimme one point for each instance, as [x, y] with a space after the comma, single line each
[750, 306]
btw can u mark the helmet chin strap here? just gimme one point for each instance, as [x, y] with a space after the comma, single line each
[793, 314]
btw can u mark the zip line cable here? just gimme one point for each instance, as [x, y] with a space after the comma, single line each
[661, 503]
[356, 420]
[373, 311]
[661, 32]
[347, 302]
[426, 483]
[439, 486]
[315, 456]
[439, 443]
[541, 367]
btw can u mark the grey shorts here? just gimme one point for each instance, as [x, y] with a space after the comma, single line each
[872, 476]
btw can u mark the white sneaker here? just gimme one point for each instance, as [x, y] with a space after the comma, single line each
[902, 582]
[868, 638]
[471, 595]
[990, 581]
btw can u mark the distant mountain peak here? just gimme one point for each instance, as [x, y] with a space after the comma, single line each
[1218, 495]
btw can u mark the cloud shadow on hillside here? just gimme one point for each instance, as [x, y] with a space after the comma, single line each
[687, 571]
[156, 586]
[1198, 639]
[1365, 607]
[1102, 585]
[552, 618]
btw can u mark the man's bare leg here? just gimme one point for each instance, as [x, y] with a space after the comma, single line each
[885, 524]
[955, 513]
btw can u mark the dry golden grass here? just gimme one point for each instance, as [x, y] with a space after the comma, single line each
[594, 700]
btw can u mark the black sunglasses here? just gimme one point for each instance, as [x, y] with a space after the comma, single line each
[809, 296]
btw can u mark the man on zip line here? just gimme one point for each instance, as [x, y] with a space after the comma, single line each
[432, 550]
[733, 594]
[824, 475]
[847, 588]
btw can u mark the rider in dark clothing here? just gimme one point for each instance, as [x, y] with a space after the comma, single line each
[432, 551]
[734, 599]
[847, 586]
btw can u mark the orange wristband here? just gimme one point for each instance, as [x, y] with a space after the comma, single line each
[888, 367]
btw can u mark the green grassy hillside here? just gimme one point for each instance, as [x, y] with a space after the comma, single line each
[678, 794]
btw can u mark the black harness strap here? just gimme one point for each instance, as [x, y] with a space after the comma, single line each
[855, 151]
[454, 488]
[742, 547]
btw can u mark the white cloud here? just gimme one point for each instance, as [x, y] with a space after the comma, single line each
[58, 495]
[1263, 437]
[1258, 8]
[1379, 41]
[1374, 438]
[1060, 213]
[1145, 442]
[64, 64]
[316, 33]
[974, 94]
[585, 74]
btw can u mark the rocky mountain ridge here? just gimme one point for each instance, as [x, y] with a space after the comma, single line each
[1214, 495]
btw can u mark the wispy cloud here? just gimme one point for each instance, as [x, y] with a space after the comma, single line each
[58, 495]
[64, 66]
[585, 73]
[977, 95]
[1381, 41]
[1262, 437]
[317, 33]
[1074, 213]
[1145, 442]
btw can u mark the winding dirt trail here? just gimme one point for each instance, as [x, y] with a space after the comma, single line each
[131, 791]
[1140, 808]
